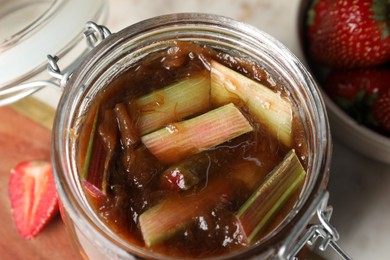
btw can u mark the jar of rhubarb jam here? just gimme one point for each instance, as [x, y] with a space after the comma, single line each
[192, 136]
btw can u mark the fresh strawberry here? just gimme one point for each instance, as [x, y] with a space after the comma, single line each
[381, 111]
[349, 33]
[355, 91]
[33, 195]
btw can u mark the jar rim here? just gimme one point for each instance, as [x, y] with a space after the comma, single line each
[164, 24]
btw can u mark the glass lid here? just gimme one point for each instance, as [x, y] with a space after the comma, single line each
[32, 29]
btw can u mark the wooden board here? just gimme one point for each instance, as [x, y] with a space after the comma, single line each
[21, 139]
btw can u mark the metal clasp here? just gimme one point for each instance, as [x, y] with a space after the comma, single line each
[94, 34]
[320, 213]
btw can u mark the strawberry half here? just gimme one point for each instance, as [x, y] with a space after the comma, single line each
[381, 111]
[349, 33]
[34, 199]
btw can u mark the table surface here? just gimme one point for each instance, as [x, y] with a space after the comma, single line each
[16, 145]
[359, 186]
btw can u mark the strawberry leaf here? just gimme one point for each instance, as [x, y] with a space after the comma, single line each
[380, 11]
[381, 111]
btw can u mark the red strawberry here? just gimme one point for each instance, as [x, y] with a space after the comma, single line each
[381, 111]
[355, 91]
[33, 195]
[349, 33]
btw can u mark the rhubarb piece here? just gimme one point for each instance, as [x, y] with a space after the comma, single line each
[91, 140]
[108, 132]
[129, 136]
[96, 167]
[267, 200]
[97, 159]
[267, 107]
[248, 173]
[180, 140]
[33, 195]
[141, 166]
[93, 191]
[175, 213]
[173, 103]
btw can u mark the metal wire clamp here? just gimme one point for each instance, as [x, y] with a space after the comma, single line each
[93, 33]
[320, 228]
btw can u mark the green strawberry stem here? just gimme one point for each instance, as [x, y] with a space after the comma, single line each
[267, 107]
[381, 9]
[269, 198]
[178, 141]
[173, 103]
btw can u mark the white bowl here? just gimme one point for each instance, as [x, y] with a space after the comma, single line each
[343, 127]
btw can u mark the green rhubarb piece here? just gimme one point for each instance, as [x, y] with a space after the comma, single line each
[172, 215]
[99, 155]
[180, 140]
[175, 213]
[266, 106]
[173, 103]
[129, 136]
[108, 132]
[248, 173]
[269, 198]
[88, 155]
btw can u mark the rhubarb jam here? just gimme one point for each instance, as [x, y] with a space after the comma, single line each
[169, 153]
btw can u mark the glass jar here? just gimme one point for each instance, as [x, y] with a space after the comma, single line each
[118, 51]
